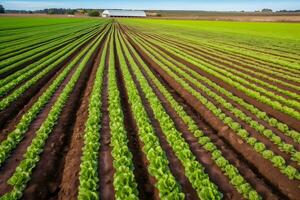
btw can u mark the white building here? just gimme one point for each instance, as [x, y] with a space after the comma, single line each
[123, 13]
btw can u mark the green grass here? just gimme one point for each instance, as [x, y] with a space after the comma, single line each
[262, 29]
[7, 23]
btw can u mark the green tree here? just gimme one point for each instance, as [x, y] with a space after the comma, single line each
[2, 10]
[94, 13]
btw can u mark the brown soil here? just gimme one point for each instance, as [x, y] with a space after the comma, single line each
[227, 151]
[252, 131]
[13, 161]
[211, 58]
[175, 164]
[106, 169]
[69, 180]
[42, 185]
[290, 121]
[265, 168]
[235, 56]
[216, 175]
[12, 114]
[202, 156]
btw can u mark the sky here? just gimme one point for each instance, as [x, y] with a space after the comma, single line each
[209, 5]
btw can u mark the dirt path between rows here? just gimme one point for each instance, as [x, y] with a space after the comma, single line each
[144, 180]
[68, 187]
[288, 187]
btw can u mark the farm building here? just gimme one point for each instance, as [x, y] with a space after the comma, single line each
[123, 13]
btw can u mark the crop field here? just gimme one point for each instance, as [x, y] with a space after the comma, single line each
[149, 109]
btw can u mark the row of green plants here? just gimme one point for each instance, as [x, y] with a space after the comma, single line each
[236, 179]
[21, 35]
[10, 63]
[158, 164]
[220, 58]
[259, 114]
[286, 105]
[124, 182]
[194, 171]
[9, 82]
[5, 102]
[41, 39]
[15, 61]
[216, 46]
[259, 147]
[234, 81]
[269, 50]
[278, 62]
[265, 57]
[255, 63]
[288, 148]
[88, 174]
[22, 127]
[22, 174]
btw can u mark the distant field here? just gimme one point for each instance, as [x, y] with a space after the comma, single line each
[94, 108]
[220, 29]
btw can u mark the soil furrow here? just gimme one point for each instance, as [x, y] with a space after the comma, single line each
[229, 153]
[146, 189]
[43, 184]
[175, 164]
[106, 169]
[265, 168]
[12, 114]
[70, 171]
[13, 161]
[225, 66]
[216, 58]
[290, 121]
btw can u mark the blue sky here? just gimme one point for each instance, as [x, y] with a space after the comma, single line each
[210, 5]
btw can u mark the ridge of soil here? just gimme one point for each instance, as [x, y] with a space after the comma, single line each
[274, 176]
[9, 166]
[69, 183]
[145, 187]
[290, 121]
[12, 114]
[106, 169]
[175, 164]
[42, 185]
[203, 53]
[227, 151]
